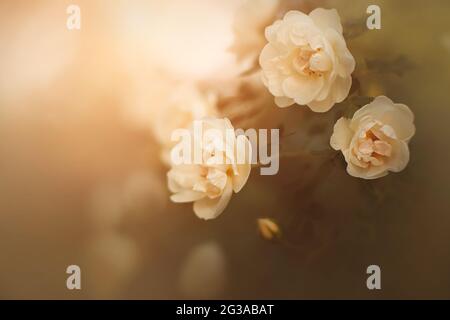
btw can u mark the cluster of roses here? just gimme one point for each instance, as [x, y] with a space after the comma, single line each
[305, 61]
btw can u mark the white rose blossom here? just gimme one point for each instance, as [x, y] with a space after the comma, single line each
[306, 60]
[375, 140]
[210, 184]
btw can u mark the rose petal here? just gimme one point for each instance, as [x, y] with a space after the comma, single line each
[342, 135]
[208, 209]
[345, 62]
[217, 178]
[302, 89]
[372, 173]
[397, 116]
[400, 156]
[322, 106]
[326, 18]
[268, 53]
[187, 196]
[341, 88]
[284, 102]
[320, 62]
[297, 16]
[243, 170]
[271, 31]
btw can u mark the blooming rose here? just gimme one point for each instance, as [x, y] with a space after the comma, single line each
[210, 184]
[376, 140]
[307, 60]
